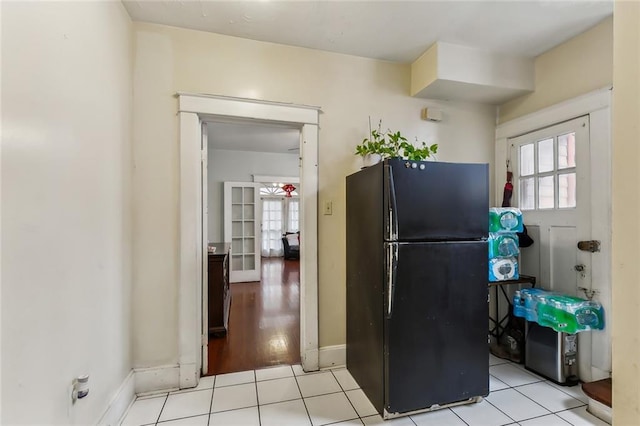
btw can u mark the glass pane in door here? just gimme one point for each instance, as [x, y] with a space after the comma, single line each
[545, 192]
[567, 190]
[248, 195]
[236, 229]
[248, 212]
[527, 194]
[545, 156]
[526, 160]
[236, 262]
[236, 195]
[567, 151]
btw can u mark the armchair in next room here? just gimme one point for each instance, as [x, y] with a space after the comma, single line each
[291, 243]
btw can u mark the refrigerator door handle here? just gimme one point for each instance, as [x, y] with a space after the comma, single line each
[393, 206]
[392, 253]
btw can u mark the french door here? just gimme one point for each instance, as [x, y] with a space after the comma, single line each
[242, 230]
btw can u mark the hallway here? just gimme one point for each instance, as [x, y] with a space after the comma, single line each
[264, 321]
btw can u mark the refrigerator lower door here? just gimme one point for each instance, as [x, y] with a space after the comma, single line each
[436, 350]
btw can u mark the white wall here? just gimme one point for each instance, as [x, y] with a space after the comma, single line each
[240, 166]
[66, 207]
[349, 89]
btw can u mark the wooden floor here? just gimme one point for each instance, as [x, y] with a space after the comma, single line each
[600, 391]
[264, 321]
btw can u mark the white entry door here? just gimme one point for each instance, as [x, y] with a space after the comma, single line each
[552, 189]
[242, 229]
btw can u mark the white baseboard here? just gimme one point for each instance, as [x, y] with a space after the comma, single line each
[120, 402]
[332, 356]
[600, 410]
[155, 379]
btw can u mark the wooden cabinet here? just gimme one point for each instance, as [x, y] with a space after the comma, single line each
[218, 288]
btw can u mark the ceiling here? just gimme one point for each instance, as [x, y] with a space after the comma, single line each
[250, 136]
[398, 31]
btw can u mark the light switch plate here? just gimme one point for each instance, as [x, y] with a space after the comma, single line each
[328, 208]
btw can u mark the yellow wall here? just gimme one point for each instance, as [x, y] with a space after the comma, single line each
[424, 70]
[576, 67]
[626, 211]
[349, 89]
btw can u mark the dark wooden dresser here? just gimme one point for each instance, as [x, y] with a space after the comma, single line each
[218, 288]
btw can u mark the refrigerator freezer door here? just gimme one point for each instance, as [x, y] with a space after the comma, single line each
[436, 349]
[436, 201]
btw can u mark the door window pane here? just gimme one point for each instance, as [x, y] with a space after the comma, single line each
[248, 245]
[527, 195]
[236, 245]
[545, 192]
[545, 156]
[249, 262]
[249, 229]
[567, 151]
[236, 229]
[526, 160]
[248, 212]
[248, 195]
[236, 263]
[236, 212]
[567, 190]
[236, 195]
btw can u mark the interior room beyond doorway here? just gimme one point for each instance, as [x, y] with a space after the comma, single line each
[264, 325]
[264, 316]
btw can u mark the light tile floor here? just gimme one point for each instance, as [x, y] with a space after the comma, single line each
[283, 396]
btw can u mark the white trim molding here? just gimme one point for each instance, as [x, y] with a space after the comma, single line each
[155, 379]
[558, 113]
[270, 179]
[193, 109]
[333, 356]
[120, 403]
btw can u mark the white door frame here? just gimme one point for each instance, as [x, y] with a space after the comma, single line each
[597, 105]
[204, 243]
[192, 108]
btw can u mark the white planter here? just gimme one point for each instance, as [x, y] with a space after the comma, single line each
[370, 160]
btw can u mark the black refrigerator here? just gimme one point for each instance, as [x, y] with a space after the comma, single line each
[417, 293]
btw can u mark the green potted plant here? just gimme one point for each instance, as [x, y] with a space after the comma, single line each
[380, 145]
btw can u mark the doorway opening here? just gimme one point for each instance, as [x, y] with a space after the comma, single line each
[253, 199]
[193, 110]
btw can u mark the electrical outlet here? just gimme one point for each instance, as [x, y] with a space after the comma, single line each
[328, 208]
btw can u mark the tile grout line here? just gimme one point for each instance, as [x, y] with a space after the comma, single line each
[213, 389]
[255, 382]
[463, 421]
[567, 393]
[347, 396]
[508, 416]
[306, 409]
[553, 412]
[544, 415]
[163, 405]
